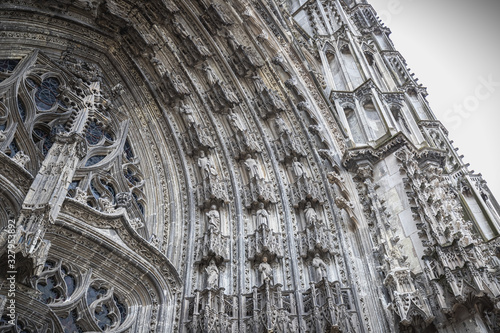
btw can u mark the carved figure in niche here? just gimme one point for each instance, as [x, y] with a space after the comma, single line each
[266, 272]
[236, 122]
[319, 268]
[213, 219]
[259, 84]
[201, 47]
[298, 169]
[262, 215]
[21, 158]
[230, 95]
[179, 85]
[212, 275]
[231, 40]
[209, 73]
[180, 30]
[310, 214]
[252, 167]
[158, 64]
[392, 260]
[187, 111]
[206, 166]
[280, 126]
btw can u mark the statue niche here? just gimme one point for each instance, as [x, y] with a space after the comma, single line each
[213, 245]
[258, 190]
[211, 189]
[264, 242]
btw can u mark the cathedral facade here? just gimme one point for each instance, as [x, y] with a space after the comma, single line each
[230, 166]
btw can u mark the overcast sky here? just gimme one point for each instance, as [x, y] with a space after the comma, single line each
[453, 48]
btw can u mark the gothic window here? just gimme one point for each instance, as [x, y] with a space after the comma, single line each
[417, 104]
[35, 104]
[8, 65]
[131, 176]
[137, 201]
[398, 115]
[47, 93]
[127, 149]
[369, 59]
[374, 70]
[96, 132]
[108, 310]
[381, 38]
[19, 327]
[336, 70]
[94, 160]
[110, 189]
[43, 139]
[13, 149]
[375, 124]
[351, 67]
[354, 125]
[69, 322]
[79, 302]
[56, 283]
[94, 191]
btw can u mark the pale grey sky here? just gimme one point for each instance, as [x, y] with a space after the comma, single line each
[452, 46]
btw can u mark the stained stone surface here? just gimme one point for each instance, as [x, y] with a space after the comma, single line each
[231, 166]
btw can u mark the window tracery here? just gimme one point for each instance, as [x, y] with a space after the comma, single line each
[42, 103]
[62, 289]
[8, 65]
[47, 93]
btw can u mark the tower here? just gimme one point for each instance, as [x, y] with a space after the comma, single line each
[230, 166]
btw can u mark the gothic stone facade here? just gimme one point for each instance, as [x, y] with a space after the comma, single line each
[230, 166]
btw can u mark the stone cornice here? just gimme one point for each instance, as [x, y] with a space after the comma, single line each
[374, 154]
[79, 217]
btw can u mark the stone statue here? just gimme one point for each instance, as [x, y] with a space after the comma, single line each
[231, 40]
[236, 122]
[259, 84]
[262, 215]
[252, 167]
[310, 214]
[180, 30]
[186, 110]
[212, 275]
[319, 268]
[280, 126]
[213, 219]
[206, 166]
[209, 73]
[266, 272]
[298, 169]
